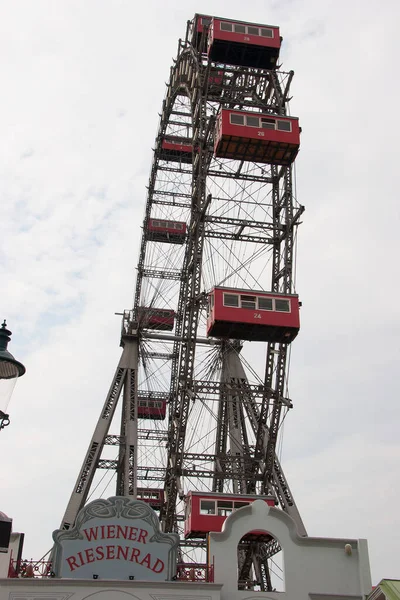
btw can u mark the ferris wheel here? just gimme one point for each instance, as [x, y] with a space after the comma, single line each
[203, 372]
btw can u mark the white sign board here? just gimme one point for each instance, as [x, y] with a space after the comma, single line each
[118, 538]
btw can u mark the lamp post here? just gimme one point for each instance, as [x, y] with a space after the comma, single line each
[10, 370]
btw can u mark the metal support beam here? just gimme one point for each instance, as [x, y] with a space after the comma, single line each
[122, 379]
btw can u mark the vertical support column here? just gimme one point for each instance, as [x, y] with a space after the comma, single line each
[88, 469]
[125, 378]
[231, 447]
[127, 463]
[220, 448]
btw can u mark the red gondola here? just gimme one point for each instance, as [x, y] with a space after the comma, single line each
[172, 232]
[156, 318]
[176, 149]
[243, 44]
[254, 316]
[153, 497]
[262, 138]
[207, 512]
[236, 43]
[150, 407]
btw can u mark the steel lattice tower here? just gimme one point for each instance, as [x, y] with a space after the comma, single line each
[223, 413]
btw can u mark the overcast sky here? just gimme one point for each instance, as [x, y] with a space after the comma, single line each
[82, 84]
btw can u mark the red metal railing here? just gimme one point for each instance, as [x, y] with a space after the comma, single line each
[29, 568]
[195, 572]
[42, 568]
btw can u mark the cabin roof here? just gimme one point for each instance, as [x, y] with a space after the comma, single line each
[236, 21]
[222, 495]
[240, 290]
[257, 114]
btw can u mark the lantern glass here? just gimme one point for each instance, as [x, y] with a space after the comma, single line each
[10, 370]
[6, 389]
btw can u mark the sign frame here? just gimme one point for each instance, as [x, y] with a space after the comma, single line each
[104, 515]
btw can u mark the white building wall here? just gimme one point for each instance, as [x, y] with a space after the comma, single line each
[319, 566]
[314, 569]
[15, 540]
[75, 589]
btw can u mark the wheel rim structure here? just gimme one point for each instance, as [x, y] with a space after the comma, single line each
[225, 398]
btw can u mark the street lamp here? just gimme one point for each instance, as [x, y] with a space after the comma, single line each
[10, 370]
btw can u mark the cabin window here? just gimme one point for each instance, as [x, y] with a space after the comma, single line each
[237, 119]
[148, 494]
[224, 508]
[240, 504]
[267, 123]
[248, 301]
[253, 31]
[267, 32]
[265, 303]
[282, 305]
[284, 125]
[159, 312]
[207, 507]
[179, 226]
[205, 21]
[250, 29]
[226, 26]
[231, 300]
[142, 403]
[212, 301]
[252, 121]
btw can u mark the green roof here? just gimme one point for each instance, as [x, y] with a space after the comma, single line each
[391, 588]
